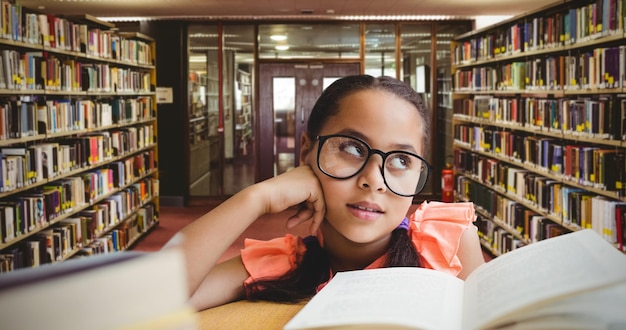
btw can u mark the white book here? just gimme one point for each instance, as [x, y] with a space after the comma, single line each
[8, 222]
[12, 171]
[572, 281]
[122, 290]
[44, 29]
[49, 159]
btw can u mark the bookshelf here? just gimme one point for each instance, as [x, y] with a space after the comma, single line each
[540, 123]
[78, 138]
[243, 124]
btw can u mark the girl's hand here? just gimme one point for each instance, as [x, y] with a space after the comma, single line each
[298, 186]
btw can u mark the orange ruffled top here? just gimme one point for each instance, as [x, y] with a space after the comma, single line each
[435, 229]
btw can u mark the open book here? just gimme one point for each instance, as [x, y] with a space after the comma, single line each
[573, 281]
[122, 290]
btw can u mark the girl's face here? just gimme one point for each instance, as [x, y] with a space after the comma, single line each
[362, 209]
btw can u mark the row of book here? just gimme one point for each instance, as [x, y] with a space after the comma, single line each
[24, 165]
[23, 118]
[21, 167]
[30, 212]
[44, 71]
[61, 33]
[35, 209]
[599, 68]
[567, 209]
[548, 196]
[500, 240]
[599, 116]
[584, 164]
[596, 19]
[96, 42]
[75, 237]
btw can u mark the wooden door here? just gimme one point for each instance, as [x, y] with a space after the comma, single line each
[287, 93]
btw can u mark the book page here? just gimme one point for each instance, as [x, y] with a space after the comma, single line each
[579, 311]
[545, 270]
[402, 296]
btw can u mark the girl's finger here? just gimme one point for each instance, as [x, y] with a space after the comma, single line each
[302, 215]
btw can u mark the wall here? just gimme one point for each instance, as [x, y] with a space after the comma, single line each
[171, 65]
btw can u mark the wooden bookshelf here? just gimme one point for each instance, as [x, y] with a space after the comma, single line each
[540, 123]
[78, 138]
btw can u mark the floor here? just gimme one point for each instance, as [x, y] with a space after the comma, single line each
[238, 174]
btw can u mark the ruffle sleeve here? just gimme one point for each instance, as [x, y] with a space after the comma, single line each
[436, 230]
[272, 258]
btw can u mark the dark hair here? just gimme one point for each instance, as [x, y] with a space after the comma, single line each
[313, 270]
[328, 104]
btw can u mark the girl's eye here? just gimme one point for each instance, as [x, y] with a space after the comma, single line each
[399, 162]
[354, 149]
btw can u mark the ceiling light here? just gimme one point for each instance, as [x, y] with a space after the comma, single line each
[197, 59]
[278, 37]
[282, 47]
[396, 17]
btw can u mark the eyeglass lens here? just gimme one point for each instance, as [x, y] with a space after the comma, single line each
[342, 157]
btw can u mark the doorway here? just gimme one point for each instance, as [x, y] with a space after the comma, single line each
[287, 93]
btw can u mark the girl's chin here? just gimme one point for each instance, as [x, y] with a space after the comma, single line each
[359, 232]
[360, 236]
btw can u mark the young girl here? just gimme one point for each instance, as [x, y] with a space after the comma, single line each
[362, 164]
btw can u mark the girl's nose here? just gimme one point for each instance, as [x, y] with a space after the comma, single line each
[371, 176]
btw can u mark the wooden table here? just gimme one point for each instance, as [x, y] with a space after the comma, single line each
[248, 315]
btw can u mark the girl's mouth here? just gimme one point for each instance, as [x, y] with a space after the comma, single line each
[364, 208]
[365, 212]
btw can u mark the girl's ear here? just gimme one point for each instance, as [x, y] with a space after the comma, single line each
[306, 146]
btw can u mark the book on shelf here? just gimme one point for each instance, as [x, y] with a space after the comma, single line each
[572, 281]
[122, 290]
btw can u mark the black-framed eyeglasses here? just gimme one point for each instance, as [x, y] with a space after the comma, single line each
[343, 156]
